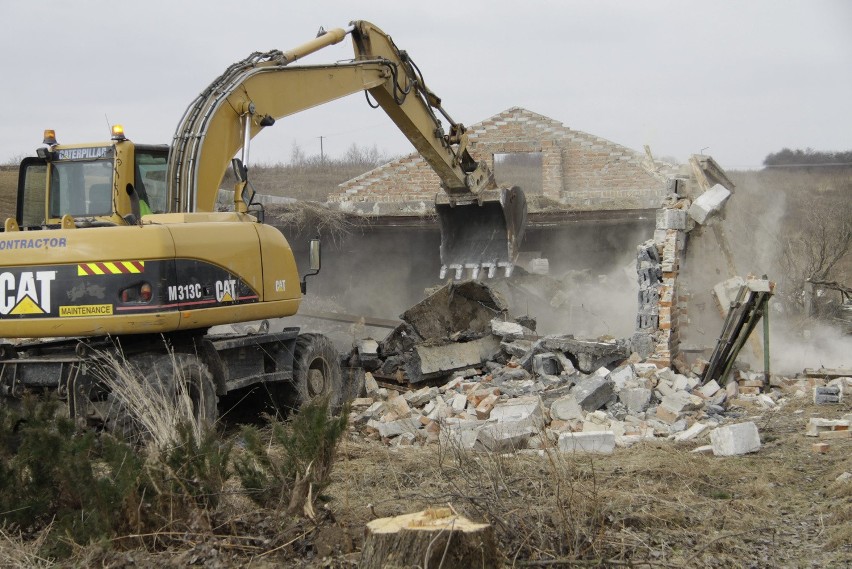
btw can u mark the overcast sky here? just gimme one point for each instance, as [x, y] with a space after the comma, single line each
[736, 79]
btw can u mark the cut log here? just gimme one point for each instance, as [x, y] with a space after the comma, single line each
[429, 539]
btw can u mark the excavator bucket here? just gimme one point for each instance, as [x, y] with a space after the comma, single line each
[483, 235]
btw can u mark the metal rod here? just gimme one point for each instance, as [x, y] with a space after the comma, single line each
[766, 340]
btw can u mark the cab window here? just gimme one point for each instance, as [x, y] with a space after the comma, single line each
[81, 188]
[151, 178]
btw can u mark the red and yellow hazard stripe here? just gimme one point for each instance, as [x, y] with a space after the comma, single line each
[111, 268]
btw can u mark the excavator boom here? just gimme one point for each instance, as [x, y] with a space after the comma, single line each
[481, 225]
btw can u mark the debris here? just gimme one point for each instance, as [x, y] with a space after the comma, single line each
[708, 203]
[821, 448]
[826, 428]
[592, 393]
[469, 306]
[601, 442]
[827, 394]
[430, 362]
[730, 440]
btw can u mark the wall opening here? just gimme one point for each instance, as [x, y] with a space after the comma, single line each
[522, 169]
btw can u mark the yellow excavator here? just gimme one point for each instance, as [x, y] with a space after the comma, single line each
[118, 246]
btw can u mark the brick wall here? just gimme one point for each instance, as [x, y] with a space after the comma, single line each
[579, 171]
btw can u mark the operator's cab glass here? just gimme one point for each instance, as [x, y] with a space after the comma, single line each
[150, 177]
[81, 188]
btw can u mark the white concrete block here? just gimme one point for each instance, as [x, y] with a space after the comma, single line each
[508, 330]
[696, 430]
[731, 440]
[566, 409]
[620, 376]
[708, 203]
[709, 389]
[601, 442]
[522, 410]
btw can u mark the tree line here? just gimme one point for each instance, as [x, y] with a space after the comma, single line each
[807, 157]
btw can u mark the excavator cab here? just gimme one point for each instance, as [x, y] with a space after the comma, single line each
[95, 184]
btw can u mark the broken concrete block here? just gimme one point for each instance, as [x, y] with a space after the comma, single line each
[709, 389]
[395, 403]
[817, 425]
[545, 364]
[645, 370]
[636, 399]
[602, 442]
[394, 428]
[592, 393]
[510, 374]
[522, 410]
[680, 383]
[620, 376]
[506, 330]
[696, 430]
[429, 362]
[731, 440]
[402, 339]
[459, 433]
[675, 403]
[668, 218]
[440, 410]
[368, 352]
[539, 266]
[589, 354]
[457, 307]
[517, 348]
[566, 409]
[370, 384]
[421, 396]
[505, 437]
[708, 203]
[459, 402]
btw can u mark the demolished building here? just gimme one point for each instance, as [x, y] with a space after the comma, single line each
[591, 202]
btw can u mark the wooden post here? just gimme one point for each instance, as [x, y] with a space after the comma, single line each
[433, 538]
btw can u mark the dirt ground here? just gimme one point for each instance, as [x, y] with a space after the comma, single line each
[655, 504]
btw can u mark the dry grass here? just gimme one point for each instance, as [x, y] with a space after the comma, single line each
[19, 552]
[655, 504]
[307, 214]
[155, 400]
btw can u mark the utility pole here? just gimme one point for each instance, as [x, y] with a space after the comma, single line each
[322, 154]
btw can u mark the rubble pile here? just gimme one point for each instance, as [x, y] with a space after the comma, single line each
[459, 370]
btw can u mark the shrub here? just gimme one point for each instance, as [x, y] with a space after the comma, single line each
[87, 484]
[293, 463]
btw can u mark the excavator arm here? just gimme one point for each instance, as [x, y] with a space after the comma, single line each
[481, 225]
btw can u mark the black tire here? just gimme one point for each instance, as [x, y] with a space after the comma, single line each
[316, 371]
[196, 377]
[163, 371]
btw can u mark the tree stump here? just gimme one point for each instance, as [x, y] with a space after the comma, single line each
[429, 539]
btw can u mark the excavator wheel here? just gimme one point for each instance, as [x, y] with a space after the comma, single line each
[163, 371]
[316, 371]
